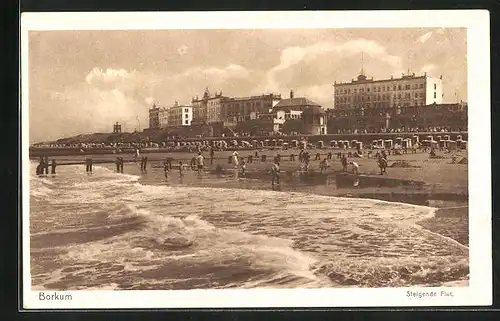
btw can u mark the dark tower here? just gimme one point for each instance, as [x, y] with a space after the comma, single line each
[117, 128]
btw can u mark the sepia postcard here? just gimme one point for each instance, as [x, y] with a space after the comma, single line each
[256, 159]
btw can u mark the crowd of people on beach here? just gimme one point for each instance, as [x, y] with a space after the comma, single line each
[305, 157]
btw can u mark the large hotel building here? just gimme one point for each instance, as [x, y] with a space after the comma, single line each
[218, 108]
[368, 96]
[174, 116]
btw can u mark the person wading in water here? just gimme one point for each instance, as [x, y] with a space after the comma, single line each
[275, 172]
[53, 167]
[46, 165]
[199, 162]
[382, 164]
[88, 163]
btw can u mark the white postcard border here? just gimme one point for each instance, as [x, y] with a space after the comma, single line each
[479, 291]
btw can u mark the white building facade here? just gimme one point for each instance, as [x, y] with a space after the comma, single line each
[180, 115]
[375, 96]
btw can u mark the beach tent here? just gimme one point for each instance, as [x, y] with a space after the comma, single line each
[280, 142]
[452, 145]
[261, 143]
[414, 139]
[353, 142]
[433, 144]
[399, 141]
[359, 145]
[381, 143]
[430, 138]
[295, 143]
[320, 144]
[406, 143]
[285, 145]
[446, 137]
[442, 143]
[273, 142]
[255, 142]
[333, 143]
[303, 144]
[388, 144]
[234, 142]
[266, 142]
[438, 138]
[462, 144]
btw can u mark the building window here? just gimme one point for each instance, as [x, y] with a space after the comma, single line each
[399, 96]
[421, 86]
[367, 89]
[399, 87]
[434, 93]
[186, 122]
[394, 87]
[355, 91]
[434, 88]
[421, 95]
[416, 95]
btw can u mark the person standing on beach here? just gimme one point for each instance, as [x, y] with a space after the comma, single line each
[382, 164]
[243, 167]
[166, 166]
[235, 159]
[344, 163]
[199, 162]
[137, 154]
[145, 163]
[323, 165]
[355, 168]
[212, 154]
[181, 169]
[121, 164]
[275, 172]
[53, 167]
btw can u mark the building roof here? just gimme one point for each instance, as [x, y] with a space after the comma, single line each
[314, 110]
[371, 81]
[295, 102]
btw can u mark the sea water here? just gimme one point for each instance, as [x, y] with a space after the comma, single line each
[120, 231]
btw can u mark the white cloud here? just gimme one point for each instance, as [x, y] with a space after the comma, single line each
[229, 71]
[428, 68]
[310, 66]
[98, 75]
[426, 36]
[149, 100]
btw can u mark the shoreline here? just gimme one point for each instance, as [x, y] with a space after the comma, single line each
[449, 200]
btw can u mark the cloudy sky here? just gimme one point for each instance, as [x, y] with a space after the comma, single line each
[84, 81]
